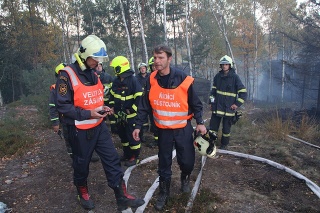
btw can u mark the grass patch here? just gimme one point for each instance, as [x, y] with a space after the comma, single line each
[277, 128]
[13, 135]
[205, 202]
[308, 129]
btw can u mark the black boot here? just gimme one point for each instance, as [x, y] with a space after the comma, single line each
[124, 200]
[134, 159]
[224, 142]
[185, 183]
[84, 197]
[163, 195]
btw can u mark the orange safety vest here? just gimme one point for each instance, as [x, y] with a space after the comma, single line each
[170, 106]
[86, 97]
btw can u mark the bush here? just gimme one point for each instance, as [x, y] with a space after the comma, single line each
[13, 135]
[41, 102]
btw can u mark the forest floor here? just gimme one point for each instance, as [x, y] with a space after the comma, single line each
[40, 179]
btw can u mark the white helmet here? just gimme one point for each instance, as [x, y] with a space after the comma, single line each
[93, 46]
[142, 65]
[204, 144]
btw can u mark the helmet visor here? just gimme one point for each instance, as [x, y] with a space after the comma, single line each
[100, 59]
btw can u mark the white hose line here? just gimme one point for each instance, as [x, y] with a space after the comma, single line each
[314, 187]
[195, 189]
[196, 186]
[151, 190]
[148, 196]
[302, 141]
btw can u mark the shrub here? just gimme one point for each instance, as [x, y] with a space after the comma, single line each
[13, 135]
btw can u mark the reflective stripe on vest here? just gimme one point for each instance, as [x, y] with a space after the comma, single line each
[86, 97]
[170, 106]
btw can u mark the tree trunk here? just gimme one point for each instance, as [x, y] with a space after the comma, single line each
[318, 101]
[283, 70]
[142, 32]
[187, 35]
[270, 71]
[165, 22]
[12, 84]
[223, 30]
[255, 73]
[128, 35]
[303, 91]
[174, 36]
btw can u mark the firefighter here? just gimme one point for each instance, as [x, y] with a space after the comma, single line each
[80, 101]
[227, 94]
[142, 78]
[153, 127]
[125, 96]
[54, 114]
[151, 64]
[106, 80]
[171, 96]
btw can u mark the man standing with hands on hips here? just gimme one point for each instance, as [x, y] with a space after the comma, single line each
[169, 93]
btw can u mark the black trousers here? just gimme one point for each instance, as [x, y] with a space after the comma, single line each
[83, 143]
[130, 146]
[226, 126]
[183, 140]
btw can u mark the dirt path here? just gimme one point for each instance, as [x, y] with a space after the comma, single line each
[41, 181]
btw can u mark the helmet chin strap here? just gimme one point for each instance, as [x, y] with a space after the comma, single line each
[81, 64]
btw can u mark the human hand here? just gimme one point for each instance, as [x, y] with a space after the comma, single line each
[109, 110]
[135, 134]
[233, 107]
[55, 128]
[201, 128]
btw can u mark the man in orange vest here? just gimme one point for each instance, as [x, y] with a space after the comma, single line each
[171, 97]
[55, 117]
[80, 101]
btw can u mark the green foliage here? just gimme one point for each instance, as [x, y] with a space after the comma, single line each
[38, 81]
[13, 135]
[41, 104]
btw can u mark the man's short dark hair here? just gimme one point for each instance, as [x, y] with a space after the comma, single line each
[163, 48]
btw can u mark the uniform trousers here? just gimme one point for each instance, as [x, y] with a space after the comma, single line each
[83, 143]
[182, 139]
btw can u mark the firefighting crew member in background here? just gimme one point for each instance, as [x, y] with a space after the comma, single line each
[126, 92]
[80, 101]
[227, 94]
[170, 95]
[153, 127]
[54, 114]
[142, 78]
[106, 79]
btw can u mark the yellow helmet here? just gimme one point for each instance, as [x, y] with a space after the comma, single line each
[151, 62]
[93, 46]
[120, 65]
[60, 67]
[226, 60]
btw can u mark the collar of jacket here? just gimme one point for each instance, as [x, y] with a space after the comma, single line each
[126, 74]
[172, 73]
[231, 72]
